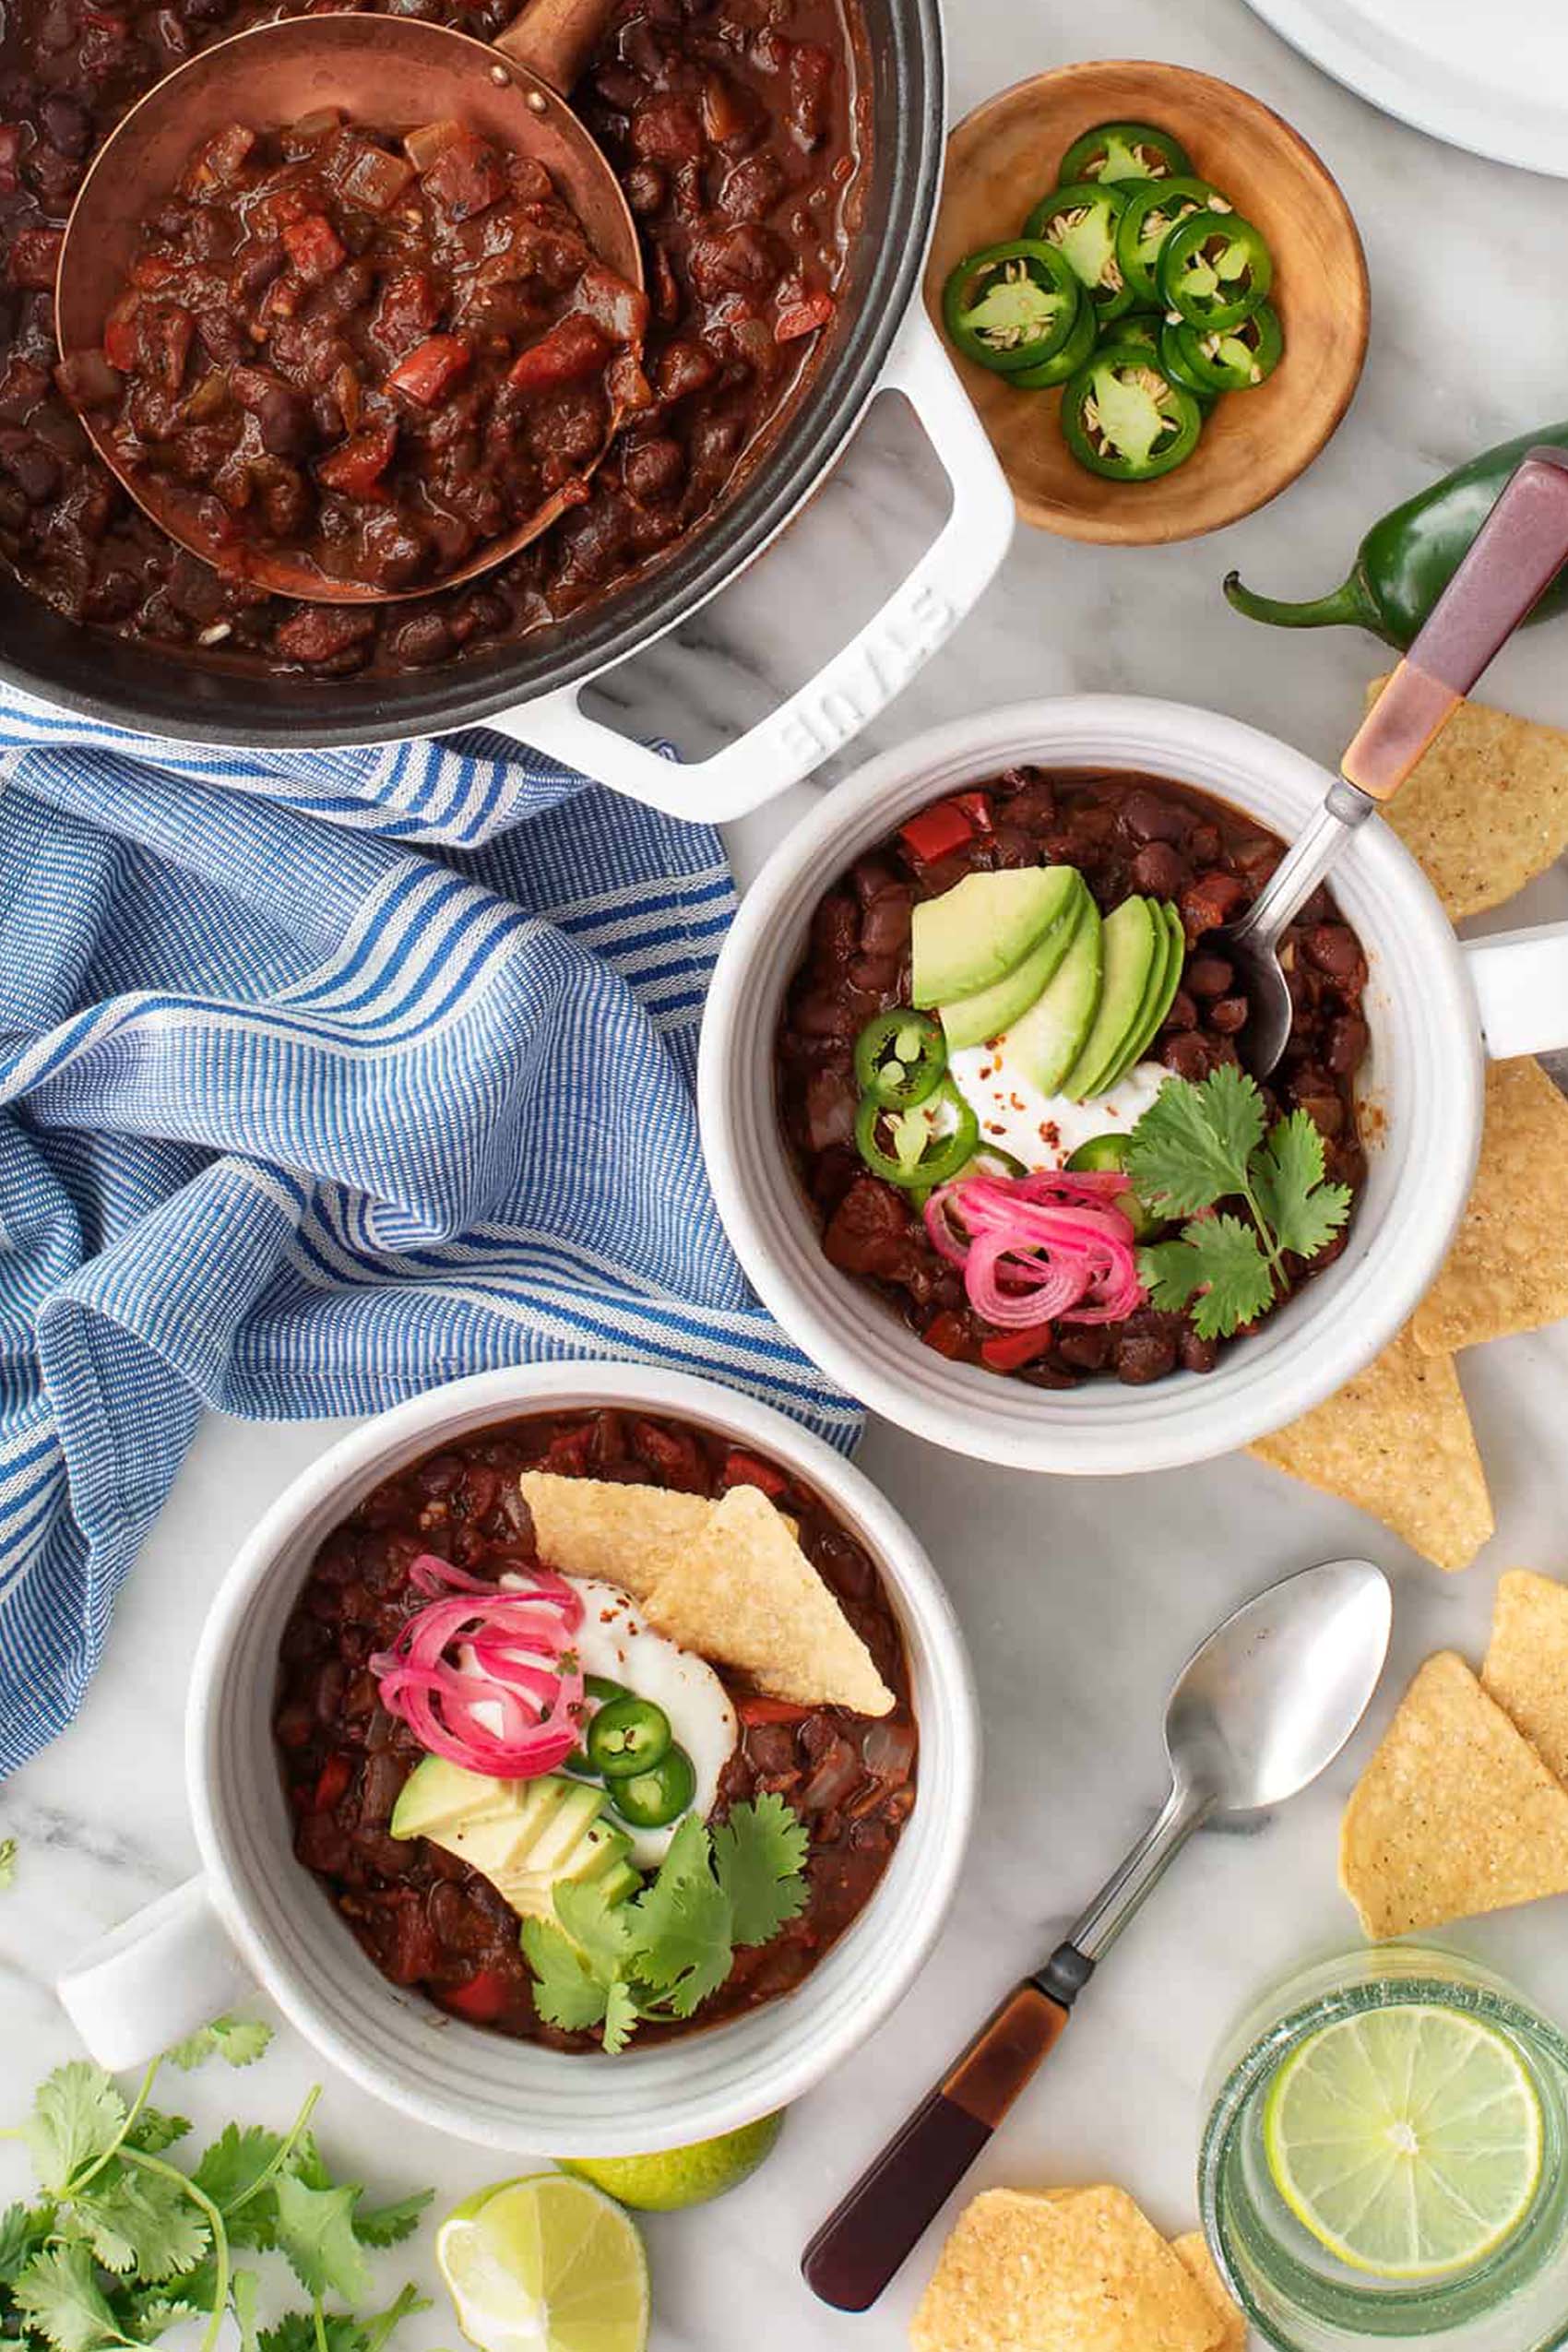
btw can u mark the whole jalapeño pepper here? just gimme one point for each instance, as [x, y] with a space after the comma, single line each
[1407, 560]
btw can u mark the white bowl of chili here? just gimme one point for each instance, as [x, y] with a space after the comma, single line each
[1435, 1008]
[256, 1914]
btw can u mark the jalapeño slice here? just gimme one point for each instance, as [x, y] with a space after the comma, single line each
[1068, 360]
[1123, 418]
[1118, 152]
[918, 1146]
[652, 1799]
[1080, 221]
[630, 1735]
[900, 1057]
[1231, 359]
[1152, 211]
[1215, 269]
[1011, 305]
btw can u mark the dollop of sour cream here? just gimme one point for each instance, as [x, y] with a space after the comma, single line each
[1043, 1131]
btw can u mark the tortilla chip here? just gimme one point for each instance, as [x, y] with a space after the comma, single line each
[1397, 1440]
[1526, 1662]
[1192, 2250]
[1508, 1268]
[745, 1591]
[1085, 2273]
[625, 1534]
[1455, 1815]
[1486, 809]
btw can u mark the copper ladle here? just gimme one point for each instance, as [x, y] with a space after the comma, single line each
[394, 73]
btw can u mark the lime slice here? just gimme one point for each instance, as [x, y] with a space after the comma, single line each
[1408, 2140]
[546, 2264]
[682, 2175]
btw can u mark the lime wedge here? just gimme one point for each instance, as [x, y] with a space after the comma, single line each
[546, 2264]
[1408, 2140]
[682, 2177]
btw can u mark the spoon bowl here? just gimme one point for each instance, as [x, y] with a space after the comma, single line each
[1266, 1703]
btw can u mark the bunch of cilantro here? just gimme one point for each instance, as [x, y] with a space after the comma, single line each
[1199, 1144]
[123, 2244]
[612, 1964]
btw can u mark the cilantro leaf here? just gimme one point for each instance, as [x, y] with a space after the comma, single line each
[77, 2116]
[228, 2173]
[239, 2041]
[566, 1991]
[242, 2289]
[59, 2294]
[315, 2234]
[152, 2130]
[685, 1946]
[7, 1863]
[389, 2225]
[1191, 1146]
[1217, 1270]
[22, 2231]
[621, 2015]
[760, 1855]
[1303, 1212]
[346, 2334]
[142, 2221]
[601, 1930]
[296, 2332]
[152, 2315]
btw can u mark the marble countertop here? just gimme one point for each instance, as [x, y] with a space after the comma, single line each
[1079, 1600]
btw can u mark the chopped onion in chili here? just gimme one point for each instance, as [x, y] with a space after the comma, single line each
[1051, 1247]
[485, 1675]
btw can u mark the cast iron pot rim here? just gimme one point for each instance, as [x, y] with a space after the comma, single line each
[412, 705]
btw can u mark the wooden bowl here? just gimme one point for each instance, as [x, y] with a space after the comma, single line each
[1003, 159]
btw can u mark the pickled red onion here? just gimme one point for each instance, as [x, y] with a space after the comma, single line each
[516, 1670]
[1051, 1247]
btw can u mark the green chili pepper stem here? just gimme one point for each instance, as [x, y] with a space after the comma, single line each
[1351, 602]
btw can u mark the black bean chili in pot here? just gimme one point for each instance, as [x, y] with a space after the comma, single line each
[736, 130]
[1126, 834]
[424, 1917]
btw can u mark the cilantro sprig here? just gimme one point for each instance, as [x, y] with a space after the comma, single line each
[123, 2245]
[613, 1965]
[1199, 1144]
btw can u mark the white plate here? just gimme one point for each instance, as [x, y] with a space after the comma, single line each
[1492, 79]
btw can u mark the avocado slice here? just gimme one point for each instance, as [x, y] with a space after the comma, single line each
[1135, 950]
[978, 929]
[438, 1794]
[523, 1836]
[1161, 997]
[972, 1019]
[599, 1856]
[1048, 1041]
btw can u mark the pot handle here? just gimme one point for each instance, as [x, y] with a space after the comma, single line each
[861, 680]
[158, 1976]
[1521, 984]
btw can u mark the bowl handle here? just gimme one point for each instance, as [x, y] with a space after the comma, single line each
[154, 1979]
[862, 678]
[1521, 984]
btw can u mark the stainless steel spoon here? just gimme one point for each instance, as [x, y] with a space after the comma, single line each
[1256, 1714]
[1513, 560]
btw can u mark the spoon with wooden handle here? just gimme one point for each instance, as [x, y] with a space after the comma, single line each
[1256, 1714]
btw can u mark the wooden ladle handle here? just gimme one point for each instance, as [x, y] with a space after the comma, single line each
[1509, 565]
[868, 2236]
[555, 38]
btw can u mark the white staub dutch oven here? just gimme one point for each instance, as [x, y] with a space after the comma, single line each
[256, 1916]
[1437, 1007]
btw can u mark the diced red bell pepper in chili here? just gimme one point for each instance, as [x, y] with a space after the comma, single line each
[573, 349]
[406, 310]
[314, 247]
[332, 1781]
[481, 1999]
[936, 831]
[429, 372]
[356, 466]
[744, 1469]
[466, 177]
[803, 318]
[121, 344]
[753, 1711]
[10, 156]
[977, 808]
[945, 1333]
[35, 257]
[1010, 1350]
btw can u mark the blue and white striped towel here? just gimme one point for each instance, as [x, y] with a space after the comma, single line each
[295, 1120]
